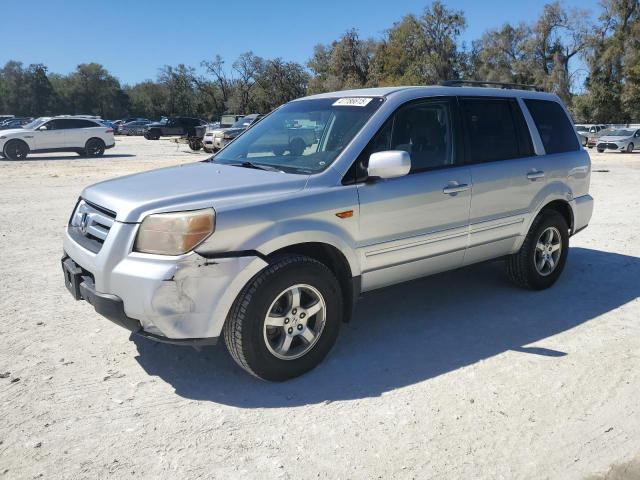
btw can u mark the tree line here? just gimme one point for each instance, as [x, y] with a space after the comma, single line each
[417, 50]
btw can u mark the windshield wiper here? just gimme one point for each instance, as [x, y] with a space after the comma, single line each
[257, 166]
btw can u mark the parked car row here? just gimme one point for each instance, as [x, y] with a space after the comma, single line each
[621, 138]
[14, 122]
[216, 138]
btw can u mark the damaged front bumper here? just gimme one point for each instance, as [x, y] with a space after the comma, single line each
[183, 299]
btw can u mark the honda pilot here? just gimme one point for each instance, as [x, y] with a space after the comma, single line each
[269, 243]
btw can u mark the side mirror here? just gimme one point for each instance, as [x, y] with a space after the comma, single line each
[43, 127]
[389, 164]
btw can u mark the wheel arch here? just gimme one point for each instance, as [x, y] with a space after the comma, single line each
[16, 140]
[336, 261]
[563, 208]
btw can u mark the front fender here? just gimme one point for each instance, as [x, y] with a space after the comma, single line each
[286, 234]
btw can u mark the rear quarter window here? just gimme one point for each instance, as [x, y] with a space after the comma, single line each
[554, 127]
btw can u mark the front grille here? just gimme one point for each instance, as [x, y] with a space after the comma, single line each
[90, 225]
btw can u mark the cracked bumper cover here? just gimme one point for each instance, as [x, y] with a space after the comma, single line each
[181, 300]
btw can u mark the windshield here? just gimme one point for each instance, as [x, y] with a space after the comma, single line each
[582, 128]
[36, 123]
[620, 133]
[301, 137]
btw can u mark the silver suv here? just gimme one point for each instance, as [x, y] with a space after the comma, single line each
[271, 242]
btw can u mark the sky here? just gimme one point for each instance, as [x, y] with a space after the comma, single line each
[133, 39]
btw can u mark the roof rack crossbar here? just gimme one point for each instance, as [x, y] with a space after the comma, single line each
[481, 83]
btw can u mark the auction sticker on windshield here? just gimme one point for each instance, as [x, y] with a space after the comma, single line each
[352, 102]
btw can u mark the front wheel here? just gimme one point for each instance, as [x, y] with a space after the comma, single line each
[543, 254]
[630, 148]
[16, 150]
[601, 150]
[286, 319]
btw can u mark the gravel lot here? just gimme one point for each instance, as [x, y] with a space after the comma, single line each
[459, 375]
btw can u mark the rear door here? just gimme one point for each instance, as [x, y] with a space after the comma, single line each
[507, 175]
[81, 130]
[415, 225]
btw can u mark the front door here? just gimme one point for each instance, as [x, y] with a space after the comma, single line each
[415, 225]
[51, 135]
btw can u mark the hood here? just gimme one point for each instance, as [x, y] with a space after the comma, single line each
[616, 138]
[188, 187]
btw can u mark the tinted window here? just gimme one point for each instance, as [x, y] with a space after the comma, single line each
[79, 123]
[490, 129]
[424, 131]
[553, 125]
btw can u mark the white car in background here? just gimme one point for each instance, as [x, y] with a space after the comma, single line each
[83, 135]
[620, 140]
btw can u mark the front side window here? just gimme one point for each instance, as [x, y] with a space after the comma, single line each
[424, 131]
[490, 129]
[304, 136]
[553, 125]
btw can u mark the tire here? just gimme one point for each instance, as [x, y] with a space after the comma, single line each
[630, 148]
[260, 349]
[521, 267]
[195, 145]
[15, 150]
[208, 150]
[601, 150]
[94, 147]
[152, 135]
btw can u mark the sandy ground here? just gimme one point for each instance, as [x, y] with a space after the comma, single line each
[459, 375]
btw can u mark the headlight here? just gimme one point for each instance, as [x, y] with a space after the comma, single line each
[174, 233]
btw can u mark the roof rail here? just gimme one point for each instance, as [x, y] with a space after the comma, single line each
[482, 83]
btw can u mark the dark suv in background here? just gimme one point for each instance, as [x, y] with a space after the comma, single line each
[183, 126]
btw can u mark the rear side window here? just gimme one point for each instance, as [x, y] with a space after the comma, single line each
[556, 132]
[79, 123]
[490, 128]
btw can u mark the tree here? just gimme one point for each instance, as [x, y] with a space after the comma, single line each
[280, 82]
[91, 90]
[41, 99]
[180, 85]
[614, 64]
[147, 99]
[343, 64]
[421, 50]
[503, 55]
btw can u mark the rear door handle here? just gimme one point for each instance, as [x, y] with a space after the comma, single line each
[535, 175]
[452, 188]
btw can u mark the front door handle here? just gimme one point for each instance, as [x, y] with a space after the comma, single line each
[454, 188]
[535, 175]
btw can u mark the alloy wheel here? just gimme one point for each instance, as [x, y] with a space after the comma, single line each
[548, 251]
[294, 322]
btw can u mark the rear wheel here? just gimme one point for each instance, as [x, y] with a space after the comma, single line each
[630, 148]
[195, 144]
[543, 254]
[285, 321]
[94, 147]
[600, 150]
[15, 150]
